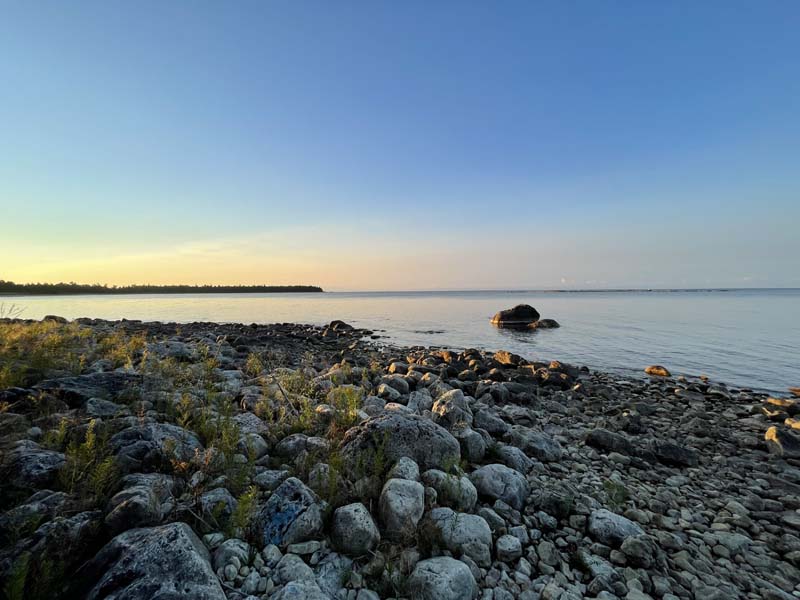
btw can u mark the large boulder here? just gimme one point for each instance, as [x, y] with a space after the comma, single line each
[401, 505]
[28, 466]
[167, 562]
[393, 434]
[610, 528]
[139, 503]
[150, 446]
[499, 482]
[292, 514]
[455, 491]
[782, 442]
[441, 578]
[451, 410]
[521, 316]
[76, 391]
[353, 531]
[460, 533]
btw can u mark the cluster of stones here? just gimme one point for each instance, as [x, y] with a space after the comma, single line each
[469, 475]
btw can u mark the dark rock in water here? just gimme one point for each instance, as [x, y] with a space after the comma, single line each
[657, 371]
[396, 435]
[338, 325]
[521, 316]
[292, 514]
[795, 391]
[782, 442]
[158, 562]
[546, 324]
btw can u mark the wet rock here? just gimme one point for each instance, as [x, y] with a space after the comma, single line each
[160, 562]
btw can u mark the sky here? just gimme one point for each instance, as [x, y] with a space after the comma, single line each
[401, 145]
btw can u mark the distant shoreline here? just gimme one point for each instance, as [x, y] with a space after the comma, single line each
[10, 289]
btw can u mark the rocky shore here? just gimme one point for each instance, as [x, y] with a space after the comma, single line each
[282, 462]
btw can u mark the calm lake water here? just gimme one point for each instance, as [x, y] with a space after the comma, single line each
[747, 338]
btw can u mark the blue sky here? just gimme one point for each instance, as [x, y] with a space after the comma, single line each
[414, 145]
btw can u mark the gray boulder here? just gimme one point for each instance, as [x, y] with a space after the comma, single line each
[353, 531]
[27, 465]
[394, 434]
[292, 568]
[166, 562]
[498, 482]
[139, 503]
[441, 578]
[452, 410]
[150, 446]
[535, 443]
[455, 491]
[300, 590]
[401, 505]
[610, 528]
[460, 533]
[292, 514]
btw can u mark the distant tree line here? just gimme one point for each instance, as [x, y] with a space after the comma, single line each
[9, 287]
